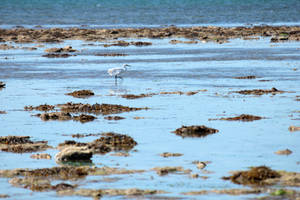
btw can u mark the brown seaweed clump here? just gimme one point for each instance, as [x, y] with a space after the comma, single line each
[194, 131]
[21, 144]
[44, 107]
[81, 93]
[243, 117]
[260, 91]
[104, 109]
[254, 176]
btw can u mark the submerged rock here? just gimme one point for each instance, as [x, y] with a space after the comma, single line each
[55, 116]
[111, 54]
[245, 77]
[194, 131]
[41, 156]
[243, 117]
[103, 109]
[44, 107]
[57, 55]
[260, 91]
[21, 144]
[114, 118]
[65, 172]
[97, 193]
[133, 96]
[254, 176]
[81, 93]
[84, 118]
[59, 50]
[225, 191]
[167, 154]
[166, 170]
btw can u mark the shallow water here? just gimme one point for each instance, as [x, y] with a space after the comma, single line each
[33, 80]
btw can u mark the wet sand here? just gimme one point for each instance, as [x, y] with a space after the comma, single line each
[180, 83]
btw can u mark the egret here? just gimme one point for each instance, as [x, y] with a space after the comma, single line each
[117, 71]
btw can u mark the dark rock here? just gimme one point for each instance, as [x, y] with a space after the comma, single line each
[194, 131]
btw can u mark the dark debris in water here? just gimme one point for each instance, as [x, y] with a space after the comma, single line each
[195, 131]
[21, 144]
[81, 93]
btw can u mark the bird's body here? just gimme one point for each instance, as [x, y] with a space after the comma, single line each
[117, 71]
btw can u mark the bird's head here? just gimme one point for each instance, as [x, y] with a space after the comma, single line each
[126, 65]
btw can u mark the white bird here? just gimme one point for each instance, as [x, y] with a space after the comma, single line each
[117, 71]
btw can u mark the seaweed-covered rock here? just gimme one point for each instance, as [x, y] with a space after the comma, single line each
[21, 144]
[194, 131]
[81, 93]
[256, 176]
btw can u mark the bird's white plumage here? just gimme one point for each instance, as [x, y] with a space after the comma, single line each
[117, 71]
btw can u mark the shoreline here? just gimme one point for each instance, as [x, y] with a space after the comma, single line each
[202, 33]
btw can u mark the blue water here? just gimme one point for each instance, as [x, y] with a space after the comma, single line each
[118, 13]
